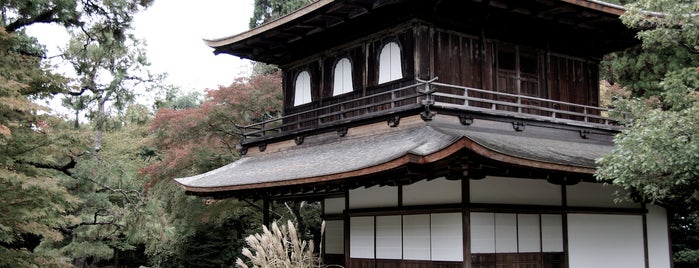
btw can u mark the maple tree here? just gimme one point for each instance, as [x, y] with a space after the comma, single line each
[189, 139]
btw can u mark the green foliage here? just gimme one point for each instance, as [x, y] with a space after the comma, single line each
[33, 204]
[657, 154]
[670, 42]
[267, 10]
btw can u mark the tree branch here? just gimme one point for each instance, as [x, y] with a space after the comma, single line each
[44, 17]
[65, 169]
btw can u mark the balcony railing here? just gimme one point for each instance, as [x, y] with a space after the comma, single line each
[430, 94]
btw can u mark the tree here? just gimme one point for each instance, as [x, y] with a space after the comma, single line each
[267, 10]
[657, 155]
[188, 140]
[33, 204]
[40, 153]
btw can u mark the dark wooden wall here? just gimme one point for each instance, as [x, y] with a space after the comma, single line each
[456, 58]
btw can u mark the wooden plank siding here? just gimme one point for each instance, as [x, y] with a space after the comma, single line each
[457, 59]
[457, 62]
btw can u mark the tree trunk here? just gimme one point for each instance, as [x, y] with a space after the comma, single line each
[99, 124]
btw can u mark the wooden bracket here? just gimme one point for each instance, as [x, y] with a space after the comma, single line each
[262, 147]
[465, 120]
[393, 121]
[342, 132]
[518, 126]
[299, 139]
[585, 134]
[243, 150]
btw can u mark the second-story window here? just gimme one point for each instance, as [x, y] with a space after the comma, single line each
[302, 88]
[343, 77]
[390, 63]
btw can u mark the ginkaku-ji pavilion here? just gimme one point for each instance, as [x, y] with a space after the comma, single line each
[445, 133]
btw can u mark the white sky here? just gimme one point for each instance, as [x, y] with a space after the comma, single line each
[173, 30]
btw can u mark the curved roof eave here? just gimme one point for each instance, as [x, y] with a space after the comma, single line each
[219, 42]
[269, 26]
[379, 153]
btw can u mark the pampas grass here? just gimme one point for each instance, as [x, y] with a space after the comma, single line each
[279, 248]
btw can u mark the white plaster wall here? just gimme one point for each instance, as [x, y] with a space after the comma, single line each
[658, 240]
[437, 191]
[605, 241]
[334, 205]
[362, 237]
[334, 237]
[447, 237]
[416, 237]
[388, 237]
[499, 190]
[373, 197]
[590, 194]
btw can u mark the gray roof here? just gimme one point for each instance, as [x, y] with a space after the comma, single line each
[329, 155]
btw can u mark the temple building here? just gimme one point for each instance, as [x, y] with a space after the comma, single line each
[445, 133]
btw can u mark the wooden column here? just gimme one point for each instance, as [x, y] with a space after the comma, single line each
[564, 221]
[265, 211]
[346, 224]
[645, 234]
[466, 219]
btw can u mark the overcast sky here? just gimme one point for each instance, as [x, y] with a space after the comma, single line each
[173, 30]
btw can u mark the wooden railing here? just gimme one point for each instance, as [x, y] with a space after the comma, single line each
[486, 100]
[429, 94]
[395, 100]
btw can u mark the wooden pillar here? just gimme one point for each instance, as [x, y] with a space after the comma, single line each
[645, 234]
[265, 211]
[564, 221]
[466, 219]
[346, 223]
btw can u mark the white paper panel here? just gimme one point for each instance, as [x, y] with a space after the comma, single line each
[334, 234]
[334, 205]
[390, 63]
[528, 233]
[374, 197]
[551, 233]
[447, 237]
[416, 237]
[658, 240]
[589, 194]
[505, 233]
[342, 77]
[388, 237]
[302, 88]
[482, 232]
[498, 190]
[362, 237]
[605, 241]
[437, 191]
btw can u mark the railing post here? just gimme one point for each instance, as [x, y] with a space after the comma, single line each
[466, 96]
[585, 112]
[519, 104]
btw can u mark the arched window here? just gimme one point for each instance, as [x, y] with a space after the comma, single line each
[303, 88]
[343, 77]
[390, 63]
